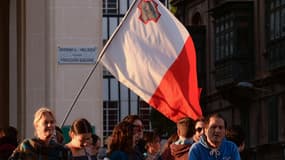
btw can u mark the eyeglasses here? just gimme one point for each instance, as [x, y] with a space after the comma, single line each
[199, 129]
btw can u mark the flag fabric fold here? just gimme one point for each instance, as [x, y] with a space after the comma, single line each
[153, 54]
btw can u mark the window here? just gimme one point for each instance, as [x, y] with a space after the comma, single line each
[110, 6]
[144, 112]
[276, 33]
[224, 37]
[110, 117]
[233, 42]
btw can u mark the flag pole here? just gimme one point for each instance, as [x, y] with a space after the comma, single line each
[99, 57]
[115, 32]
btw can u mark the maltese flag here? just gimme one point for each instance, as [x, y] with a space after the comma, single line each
[152, 53]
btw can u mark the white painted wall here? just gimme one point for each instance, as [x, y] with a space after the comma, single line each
[54, 23]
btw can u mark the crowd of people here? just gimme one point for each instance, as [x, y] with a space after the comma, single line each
[202, 139]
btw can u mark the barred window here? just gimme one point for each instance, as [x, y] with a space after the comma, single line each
[110, 6]
[275, 29]
[224, 37]
[276, 19]
[110, 117]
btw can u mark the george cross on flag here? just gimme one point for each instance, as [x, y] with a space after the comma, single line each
[153, 54]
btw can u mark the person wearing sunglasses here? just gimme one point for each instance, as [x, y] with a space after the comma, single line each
[199, 129]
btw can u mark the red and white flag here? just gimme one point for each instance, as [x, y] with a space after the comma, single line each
[152, 53]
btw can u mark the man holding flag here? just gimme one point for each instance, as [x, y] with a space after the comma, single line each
[153, 54]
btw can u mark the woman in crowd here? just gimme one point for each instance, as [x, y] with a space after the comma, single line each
[138, 128]
[122, 142]
[42, 146]
[80, 134]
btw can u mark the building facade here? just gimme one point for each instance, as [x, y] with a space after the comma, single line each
[241, 67]
[47, 50]
[41, 42]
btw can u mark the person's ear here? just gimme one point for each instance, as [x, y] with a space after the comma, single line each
[178, 132]
[71, 134]
[36, 125]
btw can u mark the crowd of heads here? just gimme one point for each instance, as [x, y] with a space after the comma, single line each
[128, 140]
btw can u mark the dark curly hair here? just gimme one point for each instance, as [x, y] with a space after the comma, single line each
[121, 138]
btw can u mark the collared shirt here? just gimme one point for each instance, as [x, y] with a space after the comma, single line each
[183, 140]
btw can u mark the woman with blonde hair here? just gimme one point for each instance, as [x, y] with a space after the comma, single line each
[43, 145]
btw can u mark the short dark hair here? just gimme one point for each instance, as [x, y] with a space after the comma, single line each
[214, 115]
[10, 131]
